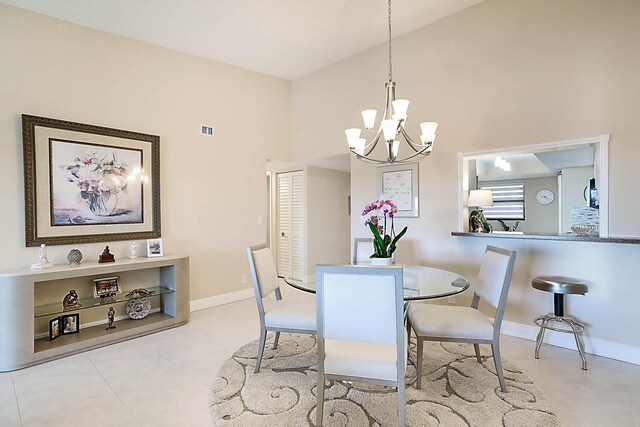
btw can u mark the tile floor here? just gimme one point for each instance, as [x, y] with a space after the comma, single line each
[163, 379]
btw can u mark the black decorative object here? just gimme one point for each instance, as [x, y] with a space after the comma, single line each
[106, 256]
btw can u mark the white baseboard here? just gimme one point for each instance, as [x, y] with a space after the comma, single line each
[201, 304]
[597, 346]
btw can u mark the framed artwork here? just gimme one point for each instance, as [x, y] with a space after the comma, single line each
[400, 184]
[70, 324]
[54, 328]
[154, 248]
[106, 287]
[86, 183]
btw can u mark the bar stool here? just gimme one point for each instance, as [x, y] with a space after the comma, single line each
[560, 286]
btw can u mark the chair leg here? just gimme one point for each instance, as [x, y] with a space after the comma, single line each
[576, 334]
[419, 363]
[476, 347]
[263, 339]
[495, 349]
[401, 401]
[320, 402]
[275, 341]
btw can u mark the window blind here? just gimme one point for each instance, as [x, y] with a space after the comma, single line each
[508, 201]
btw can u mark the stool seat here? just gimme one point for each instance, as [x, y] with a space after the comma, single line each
[560, 285]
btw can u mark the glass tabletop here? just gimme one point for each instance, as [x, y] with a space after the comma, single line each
[419, 282]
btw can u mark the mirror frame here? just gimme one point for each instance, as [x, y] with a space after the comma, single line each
[602, 158]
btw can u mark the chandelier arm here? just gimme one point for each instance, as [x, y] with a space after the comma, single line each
[415, 147]
[368, 148]
[423, 153]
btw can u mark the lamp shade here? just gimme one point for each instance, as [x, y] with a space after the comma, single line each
[369, 118]
[353, 136]
[480, 198]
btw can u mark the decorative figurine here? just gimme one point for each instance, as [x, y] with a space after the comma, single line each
[106, 256]
[44, 261]
[71, 300]
[111, 317]
[74, 257]
[133, 250]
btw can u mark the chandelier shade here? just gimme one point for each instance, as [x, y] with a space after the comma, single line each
[392, 127]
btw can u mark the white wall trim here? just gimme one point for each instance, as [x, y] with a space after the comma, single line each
[201, 304]
[596, 346]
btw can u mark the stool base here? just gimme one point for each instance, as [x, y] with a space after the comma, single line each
[576, 329]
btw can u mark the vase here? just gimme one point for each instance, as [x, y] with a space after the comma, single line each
[381, 261]
[104, 204]
[74, 257]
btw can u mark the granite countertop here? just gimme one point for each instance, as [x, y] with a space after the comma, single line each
[563, 237]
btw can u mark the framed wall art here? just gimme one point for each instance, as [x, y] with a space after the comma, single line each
[86, 183]
[106, 287]
[400, 183]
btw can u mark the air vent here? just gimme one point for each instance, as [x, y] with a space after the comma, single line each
[206, 130]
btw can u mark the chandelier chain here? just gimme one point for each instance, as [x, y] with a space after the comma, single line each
[390, 66]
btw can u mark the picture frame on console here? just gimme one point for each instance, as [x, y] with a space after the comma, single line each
[154, 248]
[87, 183]
[70, 324]
[54, 328]
[106, 287]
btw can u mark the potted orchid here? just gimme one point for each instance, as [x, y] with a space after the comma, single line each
[378, 216]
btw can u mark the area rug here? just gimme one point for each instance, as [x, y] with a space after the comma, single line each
[456, 391]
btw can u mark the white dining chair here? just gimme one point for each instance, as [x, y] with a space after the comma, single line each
[362, 250]
[361, 336]
[468, 324]
[291, 315]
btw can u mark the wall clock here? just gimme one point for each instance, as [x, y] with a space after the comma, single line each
[544, 197]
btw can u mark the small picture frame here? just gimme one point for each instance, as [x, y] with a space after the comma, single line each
[154, 248]
[70, 324]
[106, 287]
[54, 328]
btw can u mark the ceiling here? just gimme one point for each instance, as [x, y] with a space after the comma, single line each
[284, 38]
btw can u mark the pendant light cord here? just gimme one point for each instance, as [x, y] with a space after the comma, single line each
[390, 67]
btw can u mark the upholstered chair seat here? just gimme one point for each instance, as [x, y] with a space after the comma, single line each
[298, 313]
[450, 322]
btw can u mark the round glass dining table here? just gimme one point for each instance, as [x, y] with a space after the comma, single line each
[419, 282]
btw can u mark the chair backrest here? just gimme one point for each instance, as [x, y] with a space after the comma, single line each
[360, 303]
[263, 271]
[494, 279]
[362, 250]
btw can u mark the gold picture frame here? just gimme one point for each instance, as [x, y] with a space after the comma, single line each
[86, 183]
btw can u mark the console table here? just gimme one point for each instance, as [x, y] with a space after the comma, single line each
[30, 298]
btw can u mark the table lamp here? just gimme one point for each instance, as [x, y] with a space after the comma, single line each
[477, 221]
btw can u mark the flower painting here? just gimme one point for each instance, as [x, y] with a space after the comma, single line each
[95, 184]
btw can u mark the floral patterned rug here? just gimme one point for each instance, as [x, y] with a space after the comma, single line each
[456, 391]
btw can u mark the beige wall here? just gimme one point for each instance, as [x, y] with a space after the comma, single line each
[328, 218]
[212, 188]
[500, 74]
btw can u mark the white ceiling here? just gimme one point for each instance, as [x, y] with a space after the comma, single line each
[284, 38]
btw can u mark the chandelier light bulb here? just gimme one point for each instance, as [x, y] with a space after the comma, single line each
[400, 107]
[353, 135]
[389, 128]
[394, 148]
[369, 118]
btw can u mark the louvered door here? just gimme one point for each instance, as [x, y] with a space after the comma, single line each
[290, 220]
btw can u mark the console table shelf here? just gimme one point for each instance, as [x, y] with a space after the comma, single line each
[89, 302]
[29, 296]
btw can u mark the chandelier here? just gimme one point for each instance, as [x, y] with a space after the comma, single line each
[391, 128]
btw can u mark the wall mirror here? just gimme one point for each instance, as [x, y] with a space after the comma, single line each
[554, 189]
